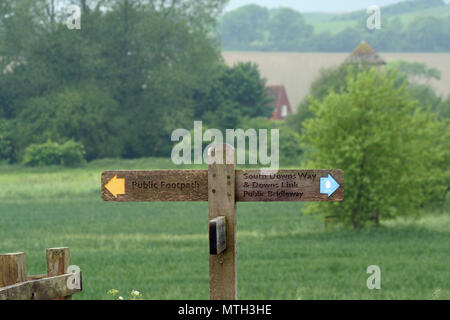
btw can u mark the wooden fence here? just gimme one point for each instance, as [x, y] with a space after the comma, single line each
[60, 282]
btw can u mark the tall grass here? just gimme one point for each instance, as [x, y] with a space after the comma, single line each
[161, 249]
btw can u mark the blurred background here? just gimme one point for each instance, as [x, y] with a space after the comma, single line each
[94, 85]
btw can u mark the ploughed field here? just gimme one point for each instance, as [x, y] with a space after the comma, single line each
[297, 70]
[161, 249]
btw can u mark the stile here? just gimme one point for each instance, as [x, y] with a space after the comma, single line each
[58, 260]
[13, 268]
[39, 289]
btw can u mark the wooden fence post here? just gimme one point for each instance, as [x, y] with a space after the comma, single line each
[13, 268]
[58, 260]
[221, 202]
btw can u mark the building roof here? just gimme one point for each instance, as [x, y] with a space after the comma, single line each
[280, 99]
[364, 53]
[276, 92]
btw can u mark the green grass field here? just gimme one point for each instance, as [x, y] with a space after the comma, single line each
[161, 249]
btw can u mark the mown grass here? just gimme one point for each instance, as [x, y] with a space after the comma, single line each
[161, 249]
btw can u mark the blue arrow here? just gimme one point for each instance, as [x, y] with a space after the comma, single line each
[328, 185]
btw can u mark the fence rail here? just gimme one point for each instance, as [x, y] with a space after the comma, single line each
[61, 281]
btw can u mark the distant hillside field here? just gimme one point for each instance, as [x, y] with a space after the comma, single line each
[406, 26]
[333, 23]
[298, 70]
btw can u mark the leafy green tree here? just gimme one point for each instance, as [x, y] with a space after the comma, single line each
[391, 36]
[418, 76]
[443, 109]
[69, 154]
[290, 151]
[148, 57]
[87, 114]
[386, 146]
[237, 92]
[7, 152]
[428, 34]
[331, 79]
[244, 27]
[166, 59]
[287, 29]
[415, 71]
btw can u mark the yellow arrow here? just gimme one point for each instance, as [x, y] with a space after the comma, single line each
[116, 186]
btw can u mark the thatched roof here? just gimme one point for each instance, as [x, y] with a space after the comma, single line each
[364, 53]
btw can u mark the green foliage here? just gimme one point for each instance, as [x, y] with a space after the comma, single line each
[86, 114]
[396, 8]
[331, 79]
[418, 75]
[133, 73]
[68, 154]
[334, 79]
[290, 151]
[443, 109]
[415, 70]
[287, 29]
[405, 27]
[238, 92]
[392, 152]
[244, 26]
[6, 141]
[72, 153]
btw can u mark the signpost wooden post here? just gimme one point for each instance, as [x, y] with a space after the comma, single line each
[221, 202]
[221, 185]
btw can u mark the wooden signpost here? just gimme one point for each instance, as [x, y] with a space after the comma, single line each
[222, 185]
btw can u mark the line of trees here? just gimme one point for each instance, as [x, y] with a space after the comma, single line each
[134, 72]
[253, 27]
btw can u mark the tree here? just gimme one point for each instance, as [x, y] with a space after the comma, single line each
[443, 109]
[428, 34]
[288, 29]
[237, 92]
[148, 57]
[331, 79]
[290, 151]
[244, 27]
[418, 76]
[6, 141]
[415, 71]
[87, 114]
[387, 147]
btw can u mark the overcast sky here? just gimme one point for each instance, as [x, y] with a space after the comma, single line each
[315, 5]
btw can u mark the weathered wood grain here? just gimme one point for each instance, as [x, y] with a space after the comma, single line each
[58, 260]
[250, 185]
[36, 277]
[221, 202]
[13, 268]
[159, 185]
[41, 289]
[286, 185]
